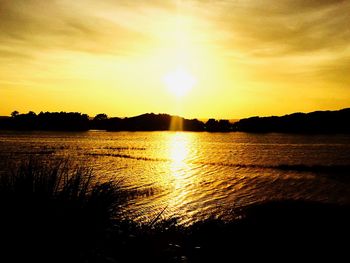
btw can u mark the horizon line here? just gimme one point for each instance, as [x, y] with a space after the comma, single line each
[174, 115]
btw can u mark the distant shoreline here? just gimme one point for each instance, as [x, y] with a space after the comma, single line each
[318, 122]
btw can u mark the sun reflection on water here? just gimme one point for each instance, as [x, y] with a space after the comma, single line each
[180, 173]
[179, 145]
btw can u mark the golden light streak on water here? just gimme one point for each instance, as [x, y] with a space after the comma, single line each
[179, 145]
[194, 176]
[180, 172]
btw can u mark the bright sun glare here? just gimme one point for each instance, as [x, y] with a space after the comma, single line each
[179, 82]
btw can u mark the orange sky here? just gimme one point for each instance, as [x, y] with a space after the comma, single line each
[242, 58]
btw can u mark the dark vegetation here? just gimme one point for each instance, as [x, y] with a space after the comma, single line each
[153, 122]
[53, 212]
[314, 122]
[74, 121]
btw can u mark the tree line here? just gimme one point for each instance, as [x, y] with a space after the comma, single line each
[314, 122]
[75, 121]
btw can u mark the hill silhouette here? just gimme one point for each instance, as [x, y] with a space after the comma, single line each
[75, 121]
[152, 122]
[314, 122]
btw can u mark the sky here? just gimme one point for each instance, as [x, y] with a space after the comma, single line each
[236, 58]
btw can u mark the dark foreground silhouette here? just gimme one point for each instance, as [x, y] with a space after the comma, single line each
[51, 212]
[314, 122]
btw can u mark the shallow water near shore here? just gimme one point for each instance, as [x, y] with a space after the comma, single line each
[194, 176]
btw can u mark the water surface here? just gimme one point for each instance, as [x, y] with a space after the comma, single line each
[199, 175]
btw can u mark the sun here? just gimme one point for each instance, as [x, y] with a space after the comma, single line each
[179, 82]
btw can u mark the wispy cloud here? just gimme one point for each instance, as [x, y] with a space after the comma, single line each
[272, 42]
[37, 26]
[283, 27]
[258, 28]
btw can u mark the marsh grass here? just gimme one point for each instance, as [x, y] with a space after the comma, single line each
[55, 211]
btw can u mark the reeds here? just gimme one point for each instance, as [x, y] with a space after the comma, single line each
[56, 207]
[55, 211]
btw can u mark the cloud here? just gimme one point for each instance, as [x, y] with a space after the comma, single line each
[336, 70]
[10, 54]
[34, 26]
[256, 28]
[275, 28]
[249, 31]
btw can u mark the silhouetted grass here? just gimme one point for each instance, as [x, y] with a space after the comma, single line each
[55, 212]
[52, 211]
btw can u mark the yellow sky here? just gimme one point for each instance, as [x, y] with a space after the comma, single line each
[247, 57]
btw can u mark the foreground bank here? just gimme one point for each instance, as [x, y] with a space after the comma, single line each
[55, 211]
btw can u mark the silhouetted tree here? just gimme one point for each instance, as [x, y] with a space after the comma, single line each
[224, 125]
[211, 125]
[46, 121]
[100, 122]
[101, 117]
[314, 122]
[14, 114]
